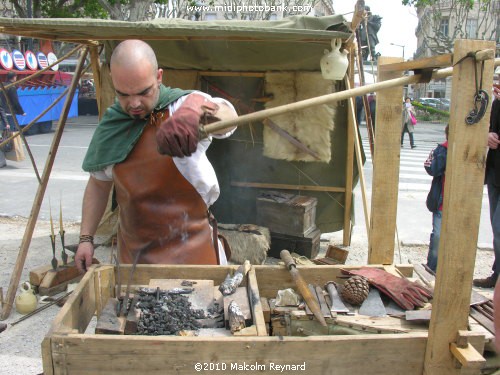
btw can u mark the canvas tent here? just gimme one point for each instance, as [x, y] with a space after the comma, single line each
[231, 57]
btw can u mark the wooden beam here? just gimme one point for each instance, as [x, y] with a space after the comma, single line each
[37, 202]
[468, 357]
[439, 61]
[349, 162]
[264, 185]
[463, 194]
[385, 168]
[96, 71]
[233, 74]
[357, 149]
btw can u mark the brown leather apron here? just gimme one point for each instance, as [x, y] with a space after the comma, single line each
[160, 211]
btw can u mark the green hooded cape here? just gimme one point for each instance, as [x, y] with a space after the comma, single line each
[117, 132]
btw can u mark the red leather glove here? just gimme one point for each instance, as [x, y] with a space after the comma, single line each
[406, 294]
[178, 135]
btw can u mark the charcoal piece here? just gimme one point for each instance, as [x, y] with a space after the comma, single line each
[168, 315]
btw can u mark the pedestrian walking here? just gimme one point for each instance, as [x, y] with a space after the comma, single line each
[408, 126]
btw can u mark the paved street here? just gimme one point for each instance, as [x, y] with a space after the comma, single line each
[67, 182]
[414, 221]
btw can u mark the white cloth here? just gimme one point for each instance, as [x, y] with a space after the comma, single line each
[196, 168]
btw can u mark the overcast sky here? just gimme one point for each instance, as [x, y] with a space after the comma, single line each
[398, 24]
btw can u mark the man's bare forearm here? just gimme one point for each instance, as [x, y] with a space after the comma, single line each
[95, 200]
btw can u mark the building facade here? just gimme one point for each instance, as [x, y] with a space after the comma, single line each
[444, 22]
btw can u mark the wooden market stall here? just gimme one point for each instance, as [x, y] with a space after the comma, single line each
[248, 52]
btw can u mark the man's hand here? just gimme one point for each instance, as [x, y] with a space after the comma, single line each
[178, 135]
[83, 256]
[493, 141]
[496, 91]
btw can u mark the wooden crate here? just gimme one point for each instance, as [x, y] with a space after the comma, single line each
[67, 349]
[307, 245]
[294, 215]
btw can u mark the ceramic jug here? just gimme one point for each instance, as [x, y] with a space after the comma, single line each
[334, 64]
[26, 301]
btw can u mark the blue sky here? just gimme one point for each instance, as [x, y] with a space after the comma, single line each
[398, 24]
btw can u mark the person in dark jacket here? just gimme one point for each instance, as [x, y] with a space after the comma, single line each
[13, 99]
[492, 179]
[435, 165]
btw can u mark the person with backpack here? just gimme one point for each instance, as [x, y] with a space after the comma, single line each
[435, 165]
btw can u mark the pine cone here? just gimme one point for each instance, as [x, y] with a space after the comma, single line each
[355, 290]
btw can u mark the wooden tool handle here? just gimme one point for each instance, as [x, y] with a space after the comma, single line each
[287, 258]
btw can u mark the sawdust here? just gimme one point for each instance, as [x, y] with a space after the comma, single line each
[20, 345]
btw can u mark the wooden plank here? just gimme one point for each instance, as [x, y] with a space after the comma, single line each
[96, 71]
[132, 317]
[74, 354]
[232, 74]
[58, 288]
[37, 274]
[439, 61]
[483, 320]
[61, 274]
[104, 286]
[254, 297]
[349, 162]
[79, 309]
[108, 322]
[48, 368]
[463, 193]
[468, 357]
[264, 185]
[359, 162]
[266, 310]
[146, 272]
[385, 169]
[240, 296]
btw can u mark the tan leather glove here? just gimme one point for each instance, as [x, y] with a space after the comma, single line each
[405, 293]
[179, 134]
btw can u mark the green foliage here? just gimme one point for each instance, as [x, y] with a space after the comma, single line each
[421, 3]
[425, 113]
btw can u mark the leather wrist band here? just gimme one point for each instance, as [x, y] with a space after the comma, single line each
[86, 238]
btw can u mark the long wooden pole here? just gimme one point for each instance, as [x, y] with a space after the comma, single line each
[349, 160]
[30, 227]
[326, 99]
[359, 161]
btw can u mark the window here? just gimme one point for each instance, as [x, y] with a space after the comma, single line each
[444, 26]
[471, 28]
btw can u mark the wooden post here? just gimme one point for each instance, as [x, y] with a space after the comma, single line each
[96, 72]
[37, 202]
[386, 168]
[349, 166]
[463, 194]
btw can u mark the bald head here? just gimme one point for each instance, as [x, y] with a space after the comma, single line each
[136, 77]
[132, 54]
